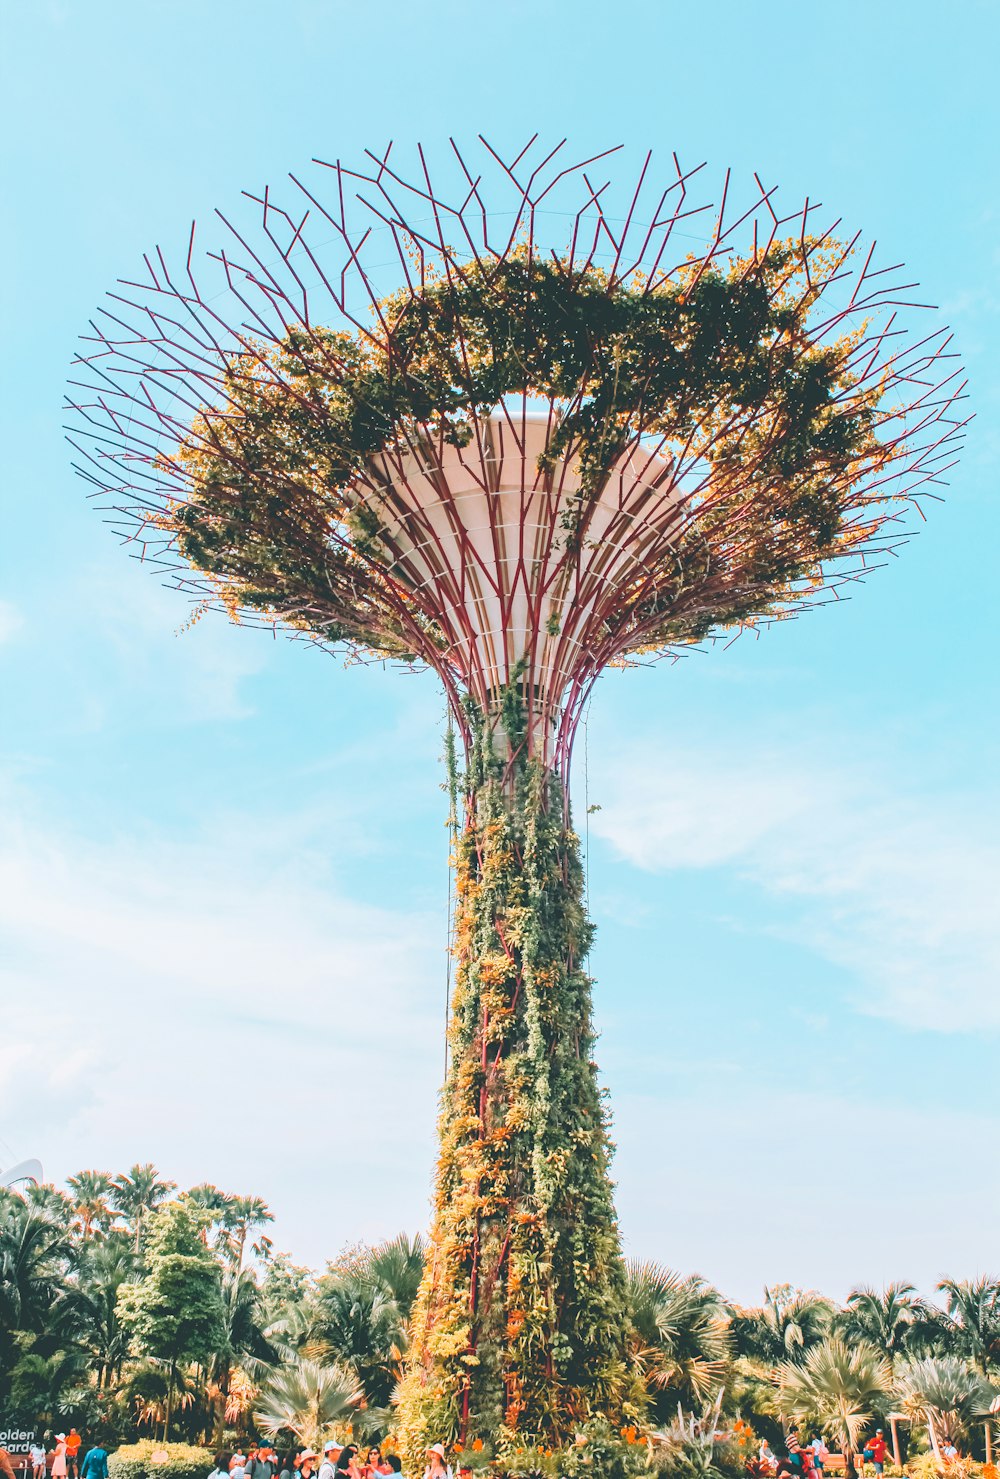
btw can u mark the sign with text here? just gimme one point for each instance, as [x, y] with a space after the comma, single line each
[17, 1440]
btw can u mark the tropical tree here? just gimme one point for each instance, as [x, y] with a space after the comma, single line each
[973, 1311]
[135, 1195]
[308, 1399]
[101, 1271]
[240, 1217]
[33, 1255]
[175, 1311]
[945, 1393]
[785, 1327]
[396, 1266]
[837, 1388]
[360, 1327]
[891, 1319]
[243, 1326]
[680, 1334]
[39, 1384]
[92, 1204]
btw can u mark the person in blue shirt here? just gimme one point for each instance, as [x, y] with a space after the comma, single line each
[95, 1465]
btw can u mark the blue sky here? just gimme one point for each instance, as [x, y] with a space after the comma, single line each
[222, 858]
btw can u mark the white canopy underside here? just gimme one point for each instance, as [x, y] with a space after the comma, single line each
[477, 535]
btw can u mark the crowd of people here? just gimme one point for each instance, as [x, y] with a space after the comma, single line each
[63, 1462]
[808, 1460]
[337, 1461]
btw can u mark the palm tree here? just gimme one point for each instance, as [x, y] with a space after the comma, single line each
[358, 1326]
[138, 1193]
[308, 1399]
[889, 1319]
[101, 1271]
[973, 1310]
[240, 1216]
[945, 1393]
[784, 1327]
[838, 1388]
[91, 1191]
[680, 1341]
[396, 1266]
[33, 1254]
[53, 1204]
[243, 1319]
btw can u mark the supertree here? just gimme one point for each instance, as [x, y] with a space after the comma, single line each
[515, 426]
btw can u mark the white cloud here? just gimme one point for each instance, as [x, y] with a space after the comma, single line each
[900, 889]
[11, 621]
[231, 1017]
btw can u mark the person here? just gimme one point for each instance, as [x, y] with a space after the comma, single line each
[948, 1448]
[6, 1463]
[238, 1461]
[794, 1450]
[73, 1442]
[331, 1453]
[393, 1463]
[259, 1465]
[287, 1466]
[307, 1463]
[437, 1463]
[95, 1465]
[59, 1457]
[875, 1452]
[222, 1462]
[347, 1462]
[37, 1456]
[820, 1454]
[374, 1464]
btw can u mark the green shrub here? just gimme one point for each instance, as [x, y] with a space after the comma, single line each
[183, 1461]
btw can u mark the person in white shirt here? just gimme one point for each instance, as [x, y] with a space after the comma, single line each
[37, 1461]
[437, 1464]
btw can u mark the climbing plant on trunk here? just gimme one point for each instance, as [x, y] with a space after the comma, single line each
[524, 1253]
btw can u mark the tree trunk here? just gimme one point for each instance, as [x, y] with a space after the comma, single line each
[520, 1318]
[170, 1403]
[896, 1454]
[935, 1446]
[220, 1413]
[989, 1441]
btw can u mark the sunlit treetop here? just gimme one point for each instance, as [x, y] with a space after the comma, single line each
[521, 462]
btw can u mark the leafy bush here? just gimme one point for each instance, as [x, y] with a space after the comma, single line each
[183, 1461]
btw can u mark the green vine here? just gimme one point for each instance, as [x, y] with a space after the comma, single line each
[719, 363]
[520, 1328]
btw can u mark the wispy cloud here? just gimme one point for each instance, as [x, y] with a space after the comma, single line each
[11, 621]
[223, 1008]
[899, 888]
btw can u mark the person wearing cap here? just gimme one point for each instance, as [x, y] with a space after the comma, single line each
[331, 1452]
[259, 1465]
[876, 1447]
[437, 1463]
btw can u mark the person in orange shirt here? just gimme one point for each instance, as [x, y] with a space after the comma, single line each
[73, 1441]
[6, 1466]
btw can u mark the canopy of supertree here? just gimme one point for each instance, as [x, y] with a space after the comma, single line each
[516, 424]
